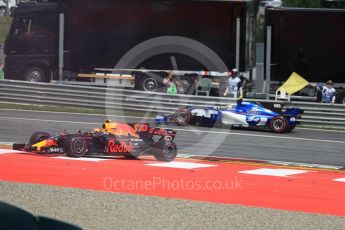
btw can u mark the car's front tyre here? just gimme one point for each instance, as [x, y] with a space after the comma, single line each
[75, 146]
[38, 137]
[165, 150]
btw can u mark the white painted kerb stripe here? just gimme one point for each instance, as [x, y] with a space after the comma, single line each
[274, 172]
[340, 179]
[6, 151]
[286, 163]
[181, 165]
[80, 159]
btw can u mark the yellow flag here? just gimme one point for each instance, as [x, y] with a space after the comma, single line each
[294, 84]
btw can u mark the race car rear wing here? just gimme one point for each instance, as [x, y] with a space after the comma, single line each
[146, 131]
[280, 108]
[274, 106]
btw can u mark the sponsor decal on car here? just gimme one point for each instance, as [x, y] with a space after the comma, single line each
[120, 147]
[255, 111]
[158, 131]
[253, 120]
[55, 150]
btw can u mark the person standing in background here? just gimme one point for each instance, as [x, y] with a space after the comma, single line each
[171, 83]
[233, 84]
[328, 92]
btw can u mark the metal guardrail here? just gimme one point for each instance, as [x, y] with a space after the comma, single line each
[316, 115]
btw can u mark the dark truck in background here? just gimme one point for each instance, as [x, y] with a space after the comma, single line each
[310, 42]
[97, 34]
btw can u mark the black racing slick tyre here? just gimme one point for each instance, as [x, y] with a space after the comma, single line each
[75, 146]
[165, 150]
[183, 117]
[38, 137]
[279, 124]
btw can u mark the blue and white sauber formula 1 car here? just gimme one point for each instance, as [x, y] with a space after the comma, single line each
[244, 114]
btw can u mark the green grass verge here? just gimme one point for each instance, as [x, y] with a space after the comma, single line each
[5, 24]
[49, 108]
[69, 110]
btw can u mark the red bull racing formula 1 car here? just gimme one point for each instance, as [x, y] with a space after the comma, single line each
[115, 139]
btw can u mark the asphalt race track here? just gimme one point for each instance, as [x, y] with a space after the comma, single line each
[301, 145]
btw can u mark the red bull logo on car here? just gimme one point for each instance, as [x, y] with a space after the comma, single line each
[120, 147]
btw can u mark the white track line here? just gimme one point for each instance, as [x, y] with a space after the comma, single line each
[43, 120]
[190, 130]
[6, 143]
[324, 130]
[259, 135]
[86, 114]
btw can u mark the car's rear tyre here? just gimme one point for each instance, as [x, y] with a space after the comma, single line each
[38, 137]
[165, 150]
[278, 124]
[75, 146]
[183, 117]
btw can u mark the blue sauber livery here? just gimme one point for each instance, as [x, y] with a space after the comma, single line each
[243, 114]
